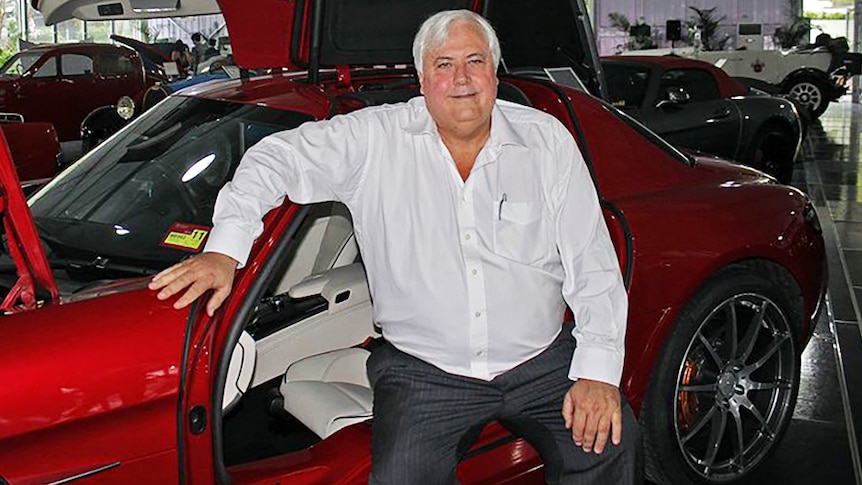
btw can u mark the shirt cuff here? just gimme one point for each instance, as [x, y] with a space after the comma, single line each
[230, 241]
[597, 364]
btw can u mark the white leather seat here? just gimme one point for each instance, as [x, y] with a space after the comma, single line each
[329, 391]
[239, 372]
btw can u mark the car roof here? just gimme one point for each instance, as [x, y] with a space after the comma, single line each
[727, 85]
[82, 46]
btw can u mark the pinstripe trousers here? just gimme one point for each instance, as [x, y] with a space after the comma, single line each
[425, 419]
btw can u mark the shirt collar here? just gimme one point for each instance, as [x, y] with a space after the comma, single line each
[502, 131]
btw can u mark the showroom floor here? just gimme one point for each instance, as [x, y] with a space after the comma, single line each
[821, 445]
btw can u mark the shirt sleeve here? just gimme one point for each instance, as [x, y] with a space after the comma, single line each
[316, 162]
[593, 285]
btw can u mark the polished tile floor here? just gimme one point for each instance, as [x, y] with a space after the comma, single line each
[822, 442]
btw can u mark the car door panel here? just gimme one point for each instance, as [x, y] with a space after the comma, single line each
[708, 126]
[122, 422]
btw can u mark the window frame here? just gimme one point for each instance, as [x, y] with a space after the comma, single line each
[714, 90]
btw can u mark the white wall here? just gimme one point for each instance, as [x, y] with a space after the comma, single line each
[770, 13]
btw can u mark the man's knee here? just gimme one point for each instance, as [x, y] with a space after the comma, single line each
[399, 464]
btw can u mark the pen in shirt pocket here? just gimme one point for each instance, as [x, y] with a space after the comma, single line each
[500, 209]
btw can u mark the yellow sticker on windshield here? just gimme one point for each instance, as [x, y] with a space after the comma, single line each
[188, 237]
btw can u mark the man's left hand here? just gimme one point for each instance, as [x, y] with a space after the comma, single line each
[592, 410]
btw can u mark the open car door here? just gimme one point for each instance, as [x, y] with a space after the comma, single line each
[35, 282]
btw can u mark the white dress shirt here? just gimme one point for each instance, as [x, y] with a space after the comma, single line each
[472, 277]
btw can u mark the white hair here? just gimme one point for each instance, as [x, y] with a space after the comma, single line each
[435, 30]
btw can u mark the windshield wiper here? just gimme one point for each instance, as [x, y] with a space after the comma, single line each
[100, 263]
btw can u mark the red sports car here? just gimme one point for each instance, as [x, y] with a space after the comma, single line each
[106, 383]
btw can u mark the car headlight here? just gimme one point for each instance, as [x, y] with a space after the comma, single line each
[126, 108]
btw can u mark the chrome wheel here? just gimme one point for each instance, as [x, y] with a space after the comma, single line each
[734, 387]
[808, 94]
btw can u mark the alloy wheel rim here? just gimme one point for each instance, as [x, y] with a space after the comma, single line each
[734, 387]
[807, 94]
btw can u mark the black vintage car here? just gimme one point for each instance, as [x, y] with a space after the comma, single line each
[695, 105]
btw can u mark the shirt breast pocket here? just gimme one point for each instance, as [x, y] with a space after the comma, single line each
[520, 232]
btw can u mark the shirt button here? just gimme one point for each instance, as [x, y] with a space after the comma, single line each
[478, 314]
[467, 237]
[475, 272]
[464, 198]
[480, 353]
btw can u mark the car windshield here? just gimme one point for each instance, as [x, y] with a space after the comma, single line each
[19, 63]
[144, 199]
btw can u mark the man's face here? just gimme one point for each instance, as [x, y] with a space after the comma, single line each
[459, 80]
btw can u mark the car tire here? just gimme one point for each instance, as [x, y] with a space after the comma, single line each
[810, 92]
[773, 151]
[92, 140]
[706, 388]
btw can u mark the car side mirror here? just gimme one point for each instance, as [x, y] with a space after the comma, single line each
[676, 96]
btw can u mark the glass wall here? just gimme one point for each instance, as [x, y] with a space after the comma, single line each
[19, 20]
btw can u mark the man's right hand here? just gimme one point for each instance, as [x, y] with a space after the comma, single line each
[207, 271]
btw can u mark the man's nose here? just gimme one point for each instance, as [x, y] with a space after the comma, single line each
[461, 76]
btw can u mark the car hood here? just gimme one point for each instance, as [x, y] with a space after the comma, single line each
[146, 51]
[303, 34]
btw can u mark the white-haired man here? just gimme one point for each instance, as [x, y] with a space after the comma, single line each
[477, 222]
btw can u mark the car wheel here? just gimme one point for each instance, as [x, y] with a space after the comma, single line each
[810, 92]
[725, 384]
[773, 152]
[92, 140]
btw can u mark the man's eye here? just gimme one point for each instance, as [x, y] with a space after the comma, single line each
[444, 65]
[477, 61]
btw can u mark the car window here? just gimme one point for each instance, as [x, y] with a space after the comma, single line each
[699, 84]
[159, 176]
[627, 84]
[648, 134]
[76, 65]
[48, 69]
[19, 63]
[112, 64]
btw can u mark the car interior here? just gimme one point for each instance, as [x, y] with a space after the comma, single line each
[304, 346]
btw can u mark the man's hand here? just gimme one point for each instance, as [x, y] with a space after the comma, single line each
[207, 271]
[591, 410]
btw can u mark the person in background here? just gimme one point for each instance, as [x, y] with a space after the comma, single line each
[181, 56]
[211, 50]
[199, 47]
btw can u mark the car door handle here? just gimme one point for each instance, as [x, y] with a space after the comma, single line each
[720, 114]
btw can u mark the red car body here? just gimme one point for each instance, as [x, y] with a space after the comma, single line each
[96, 75]
[112, 385]
[35, 149]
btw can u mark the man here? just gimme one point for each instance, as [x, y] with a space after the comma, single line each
[199, 47]
[211, 50]
[476, 219]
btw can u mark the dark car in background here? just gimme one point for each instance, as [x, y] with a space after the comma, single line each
[695, 105]
[63, 83]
